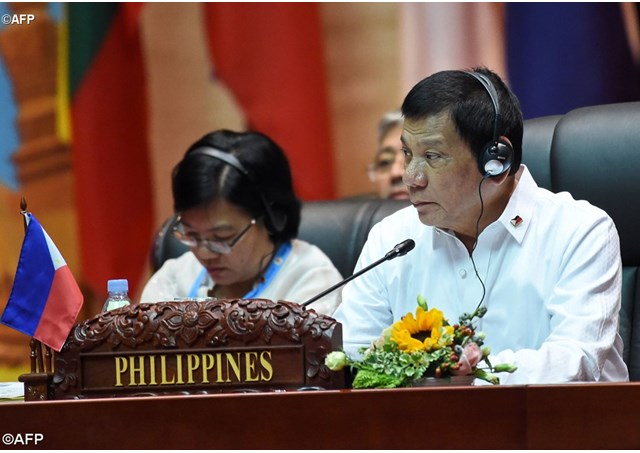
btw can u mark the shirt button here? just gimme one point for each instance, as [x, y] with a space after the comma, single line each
[463, 273]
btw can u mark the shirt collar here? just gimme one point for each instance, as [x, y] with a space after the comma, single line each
[517, 215]
[519, 211]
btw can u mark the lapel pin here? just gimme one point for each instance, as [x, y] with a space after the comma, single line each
[516, 221]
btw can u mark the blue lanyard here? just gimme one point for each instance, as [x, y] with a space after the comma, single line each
[275, 265]
[193, 292]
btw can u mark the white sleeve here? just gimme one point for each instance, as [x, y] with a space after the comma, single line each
[313, 282]
[173, 280]
[306, 273]
[365, 310]
[583, 309]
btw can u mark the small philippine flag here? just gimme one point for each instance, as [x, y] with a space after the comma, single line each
[45, 299]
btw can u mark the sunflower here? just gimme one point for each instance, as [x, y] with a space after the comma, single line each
[424, 332]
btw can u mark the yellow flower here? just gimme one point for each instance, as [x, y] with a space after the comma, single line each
[447, 336]
[424, 332]
[405, 341]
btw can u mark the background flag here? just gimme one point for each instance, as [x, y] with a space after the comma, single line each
[270, 55]
[109, 142]
[45, 299]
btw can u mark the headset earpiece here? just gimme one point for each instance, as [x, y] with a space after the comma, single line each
[495, 159]
[276, 222]
[496, 156]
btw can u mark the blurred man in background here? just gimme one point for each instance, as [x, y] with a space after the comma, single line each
[388, 165]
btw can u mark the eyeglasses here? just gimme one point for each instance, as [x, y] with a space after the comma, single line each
[215, 246]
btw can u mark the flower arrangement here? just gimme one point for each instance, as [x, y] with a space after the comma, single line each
[424, 345]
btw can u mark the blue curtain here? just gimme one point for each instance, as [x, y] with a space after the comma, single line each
[561, 56]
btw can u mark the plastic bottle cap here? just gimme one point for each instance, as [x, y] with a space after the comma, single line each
[118, 286]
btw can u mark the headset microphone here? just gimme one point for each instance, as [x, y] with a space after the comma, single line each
[399, 250]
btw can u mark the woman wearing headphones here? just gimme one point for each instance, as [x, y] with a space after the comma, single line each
[238, 213]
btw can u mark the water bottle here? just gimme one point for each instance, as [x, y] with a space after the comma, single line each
[118, 296]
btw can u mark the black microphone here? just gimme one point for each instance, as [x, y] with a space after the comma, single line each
[399, 250]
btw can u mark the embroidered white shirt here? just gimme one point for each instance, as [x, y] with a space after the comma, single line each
[552, 286]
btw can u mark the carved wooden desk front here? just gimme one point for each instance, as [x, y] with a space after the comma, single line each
[577, 416]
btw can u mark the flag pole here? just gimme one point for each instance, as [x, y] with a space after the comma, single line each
[36, 345]
[32, 342]
[23, 212]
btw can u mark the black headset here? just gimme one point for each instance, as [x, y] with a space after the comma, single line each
[496, 156]
[276, 221]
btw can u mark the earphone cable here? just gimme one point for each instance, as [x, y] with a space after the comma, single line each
[475, 243]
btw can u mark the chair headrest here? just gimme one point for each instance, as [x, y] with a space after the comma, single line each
[536, 147]
[595, 155]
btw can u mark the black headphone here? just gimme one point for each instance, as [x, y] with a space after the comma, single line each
[276, 221]
[496, 156]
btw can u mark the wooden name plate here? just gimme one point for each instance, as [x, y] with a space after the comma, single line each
[188, 347]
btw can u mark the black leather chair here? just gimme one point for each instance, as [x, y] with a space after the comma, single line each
[340, 227]
[595, 155]
[536, 147]
[165, 245]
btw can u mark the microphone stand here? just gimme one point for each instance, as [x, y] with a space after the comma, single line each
[346, 280]
[400, 249]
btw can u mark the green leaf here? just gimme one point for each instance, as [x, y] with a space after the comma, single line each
[366, 379]
[489, 377]
[422, 302]
[505, 367]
